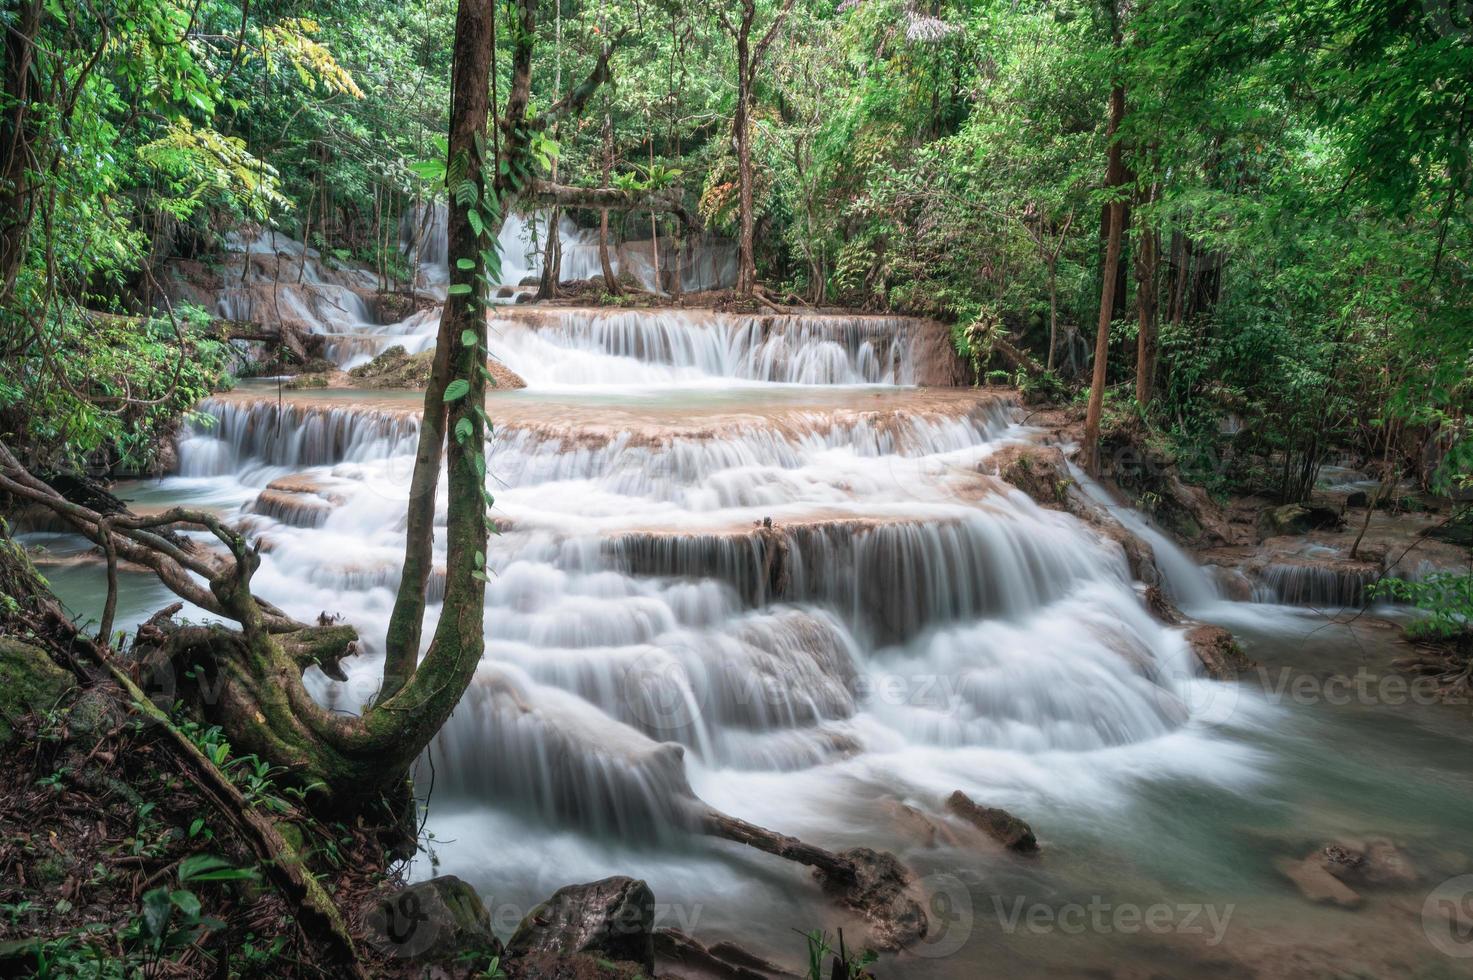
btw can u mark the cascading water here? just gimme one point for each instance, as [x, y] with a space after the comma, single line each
[738, 559]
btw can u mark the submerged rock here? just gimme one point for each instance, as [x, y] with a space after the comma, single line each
[612, 919]
[880, 890]
[692, 960]
[1317, 884]
[1218, 651]
[1376, 862]
[437, 919]
[1012, 832]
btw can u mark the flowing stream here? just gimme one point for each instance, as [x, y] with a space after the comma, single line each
[929, 629]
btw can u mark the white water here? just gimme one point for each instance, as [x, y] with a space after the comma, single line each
[935, 630]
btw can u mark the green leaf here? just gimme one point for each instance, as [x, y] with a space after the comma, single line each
[457, 389]
[187, 902]
[459, 289]
[463, 430]
[464, 264]
[468, 338]
[480, 559]
[156, 911]
[476, 224]
[207, 867]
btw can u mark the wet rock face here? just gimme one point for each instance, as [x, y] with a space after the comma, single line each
[1332, 874]
[612, 919]
[1299, 519]
[396, 368]
[1039, 471]
[1219, 653]
[880, 890]
[1010, 831]
[437, 919]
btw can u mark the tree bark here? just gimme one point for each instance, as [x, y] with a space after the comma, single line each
[1146, 336]
[742, 135]
[749, 58]
[17, 204]
[611, 284]
[469, 109]
[1114, 178]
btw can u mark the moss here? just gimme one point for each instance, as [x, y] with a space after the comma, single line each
[29, 682]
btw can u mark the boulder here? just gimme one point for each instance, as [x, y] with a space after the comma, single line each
[1375, 862]
[999, 824]
[396, 368]
[1039, 471]
[1219, 653]
[437, 920]
[612, 919]
[878, 887]
[30, 682]
[1299, 519]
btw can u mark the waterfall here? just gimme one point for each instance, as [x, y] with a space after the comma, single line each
[729, 544]
[1187, 584]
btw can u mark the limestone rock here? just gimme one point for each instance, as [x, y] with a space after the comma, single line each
[436, 919]
[1012, 832]
[1299, 519]
[612, 919]
[1374, 862]
[880, 890]
[1219, 653]
[1317, 884]
[692, 960]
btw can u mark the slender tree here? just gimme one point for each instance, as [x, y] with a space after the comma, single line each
[748, 60]
[1114, 180]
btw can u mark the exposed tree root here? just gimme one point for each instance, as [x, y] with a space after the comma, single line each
[872, 883]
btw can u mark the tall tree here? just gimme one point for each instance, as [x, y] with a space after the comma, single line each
[748, 60]
[1114, 181]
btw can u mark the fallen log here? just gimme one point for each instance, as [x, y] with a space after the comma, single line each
[668, 199]
[872, 883]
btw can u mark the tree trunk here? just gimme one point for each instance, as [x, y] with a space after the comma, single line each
[1146, 339]
[1114, 178]
[749, 58]
[610, 283]
[17, 204]
[469, 108]
[741, 133]
[1053, 312]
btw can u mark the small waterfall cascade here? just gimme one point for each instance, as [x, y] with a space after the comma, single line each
[744, 557]
[704, 263]
[1188, 584]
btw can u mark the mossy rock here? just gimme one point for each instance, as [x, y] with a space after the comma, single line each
[29, 682]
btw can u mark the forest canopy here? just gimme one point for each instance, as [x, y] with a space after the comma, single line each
[1294, 185]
